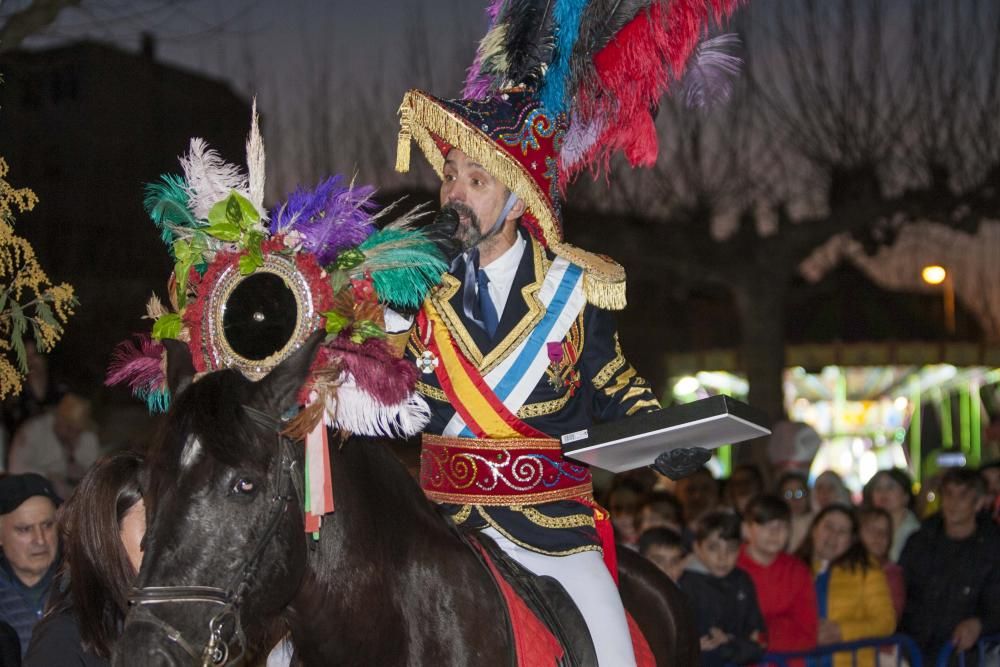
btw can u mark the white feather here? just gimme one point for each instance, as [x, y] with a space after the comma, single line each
[209, 178]
[356, 411]
[255, 163]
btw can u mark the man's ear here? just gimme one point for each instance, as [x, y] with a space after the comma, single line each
[519, 208]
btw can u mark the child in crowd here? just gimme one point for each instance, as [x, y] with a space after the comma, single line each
[665, 548]
[783, 583]
[661, 509]
[729, 621]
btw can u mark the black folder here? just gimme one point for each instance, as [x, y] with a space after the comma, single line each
[636, 441]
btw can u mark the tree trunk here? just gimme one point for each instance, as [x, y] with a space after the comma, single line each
[760, 301]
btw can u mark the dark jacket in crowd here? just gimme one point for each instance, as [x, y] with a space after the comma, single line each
[730, 604]
[948, 581]
[21, 606]
[56, 643]
[10, 646]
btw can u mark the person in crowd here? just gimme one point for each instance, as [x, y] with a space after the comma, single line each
[793, 487]
[59, 445]
[829, 488]
[39, 393]
[623, 504]
[783, 584]
[745, 483]
[875, 526]
[729, 621]
[990, 472]
[661, 509]
[102, 526]
[951, 573]
[892, 490]
[10, 646]
[30, 546]
[665, 548]
[698, 493]
[852, 595]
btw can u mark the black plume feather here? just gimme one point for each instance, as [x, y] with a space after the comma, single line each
[529, 41]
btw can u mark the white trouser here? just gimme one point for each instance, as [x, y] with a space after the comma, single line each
[587, 580]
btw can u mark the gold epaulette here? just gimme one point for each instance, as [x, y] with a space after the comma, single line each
[603, 280]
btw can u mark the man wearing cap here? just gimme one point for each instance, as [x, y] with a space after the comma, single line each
[29, 543]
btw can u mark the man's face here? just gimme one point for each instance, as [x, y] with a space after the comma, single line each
[474, 194]
[958, 504]
[28, 538]
[718, 555]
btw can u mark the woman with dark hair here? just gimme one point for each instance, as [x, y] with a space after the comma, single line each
[102, 525]
[851, 592]
[793, 488]
[892, 490]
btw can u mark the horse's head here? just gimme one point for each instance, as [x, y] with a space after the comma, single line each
[224, 549]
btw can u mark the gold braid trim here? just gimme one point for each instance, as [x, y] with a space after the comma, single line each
[508, 499]
[611, 367]
[431, 391]
[539, 519]
[528, 411]
[639, 405]
[568, 552]
[462, 514]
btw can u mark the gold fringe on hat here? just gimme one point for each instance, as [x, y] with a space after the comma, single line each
[422, 117]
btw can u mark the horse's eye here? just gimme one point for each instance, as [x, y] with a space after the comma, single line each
[244, 486]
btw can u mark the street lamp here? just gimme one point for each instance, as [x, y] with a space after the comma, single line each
[935, 274]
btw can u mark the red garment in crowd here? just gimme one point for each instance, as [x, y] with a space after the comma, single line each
[897, 587]
[787, 600]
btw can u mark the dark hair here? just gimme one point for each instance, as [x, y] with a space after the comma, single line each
[660, 537]
[854, 557]
[96, 574]
[964, 477]
[724, 524]
[792, 476]
[767, 507]
[665, 504]
[897, 475]
[866, 512]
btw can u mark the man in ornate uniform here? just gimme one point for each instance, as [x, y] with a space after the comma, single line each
[518, 347]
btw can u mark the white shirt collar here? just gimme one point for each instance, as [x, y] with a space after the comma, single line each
[501, 273]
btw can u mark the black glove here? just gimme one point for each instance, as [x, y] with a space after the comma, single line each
[678, 463]
[441, 233]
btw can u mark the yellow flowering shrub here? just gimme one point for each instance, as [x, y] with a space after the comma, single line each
[27, 296]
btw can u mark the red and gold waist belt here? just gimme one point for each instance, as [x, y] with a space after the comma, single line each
[523, 471]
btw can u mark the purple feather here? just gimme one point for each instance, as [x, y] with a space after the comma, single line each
[709, 79]
[329, 219]
[477, 84]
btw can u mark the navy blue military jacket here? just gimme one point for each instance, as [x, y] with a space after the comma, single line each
[592, 381]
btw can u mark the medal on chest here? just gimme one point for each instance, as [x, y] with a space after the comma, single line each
[561, 371]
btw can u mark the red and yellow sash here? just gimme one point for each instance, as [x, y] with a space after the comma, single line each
[484, 413]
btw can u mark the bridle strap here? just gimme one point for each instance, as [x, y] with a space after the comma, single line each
[216, 651]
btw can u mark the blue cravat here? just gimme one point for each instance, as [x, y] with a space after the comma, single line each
[486, 307]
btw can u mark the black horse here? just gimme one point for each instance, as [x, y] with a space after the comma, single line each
[228, 567]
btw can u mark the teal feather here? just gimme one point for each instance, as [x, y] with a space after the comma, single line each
[567, 15]
[157, 401]
[403, 263]
[167, 204]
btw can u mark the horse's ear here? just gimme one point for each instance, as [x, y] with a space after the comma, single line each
[180, 368]
[275, 393]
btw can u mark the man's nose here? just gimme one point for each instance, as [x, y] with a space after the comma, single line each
[38, 535]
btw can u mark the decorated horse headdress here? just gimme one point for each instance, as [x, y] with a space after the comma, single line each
[561, 85]
[249, 286]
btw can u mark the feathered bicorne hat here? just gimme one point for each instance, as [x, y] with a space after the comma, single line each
[561, 85]
[249, 286]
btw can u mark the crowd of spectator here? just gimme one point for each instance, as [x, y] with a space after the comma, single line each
[794, 566]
